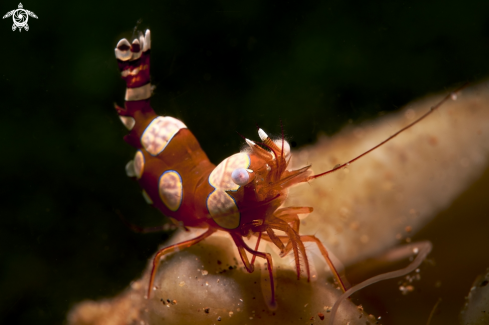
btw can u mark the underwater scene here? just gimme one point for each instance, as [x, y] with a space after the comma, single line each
[327, 80]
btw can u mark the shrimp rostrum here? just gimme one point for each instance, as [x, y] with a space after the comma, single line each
[243, 195]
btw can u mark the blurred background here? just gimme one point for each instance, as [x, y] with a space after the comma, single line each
[221, 67]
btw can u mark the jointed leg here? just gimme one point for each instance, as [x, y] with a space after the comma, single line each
[341, 279]
[290, 215]
[275, 239]
[170, 249]
[291, 245]
[284, 250]
[294, 244]
[293, 221]
[292, 210]
[256, 248]
[250, 267]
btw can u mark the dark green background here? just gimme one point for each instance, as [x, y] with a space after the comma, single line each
[219, 66]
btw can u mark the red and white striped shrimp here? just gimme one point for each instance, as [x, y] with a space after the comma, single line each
[243, 195]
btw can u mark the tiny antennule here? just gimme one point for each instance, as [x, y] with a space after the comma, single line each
[250, 143]
[263, 136]
[240, 176]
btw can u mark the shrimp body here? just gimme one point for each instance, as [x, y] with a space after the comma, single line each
[242, 195]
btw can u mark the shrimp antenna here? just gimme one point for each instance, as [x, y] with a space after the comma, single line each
[283, 139]
[244, 138]
[452, 95]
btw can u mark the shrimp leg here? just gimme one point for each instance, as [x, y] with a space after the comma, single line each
[172, 248]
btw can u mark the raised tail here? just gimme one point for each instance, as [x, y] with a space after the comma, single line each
[133, 60]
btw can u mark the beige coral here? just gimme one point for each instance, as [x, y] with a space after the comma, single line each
[360, 211]
[364, 209]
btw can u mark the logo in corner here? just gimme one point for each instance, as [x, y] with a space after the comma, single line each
[20, 17]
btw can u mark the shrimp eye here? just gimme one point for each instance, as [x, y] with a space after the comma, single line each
[240, 176]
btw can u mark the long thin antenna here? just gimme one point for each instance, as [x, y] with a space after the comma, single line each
[452, 95]
[283, 139]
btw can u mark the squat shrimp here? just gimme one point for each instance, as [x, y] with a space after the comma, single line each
[242, 196]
